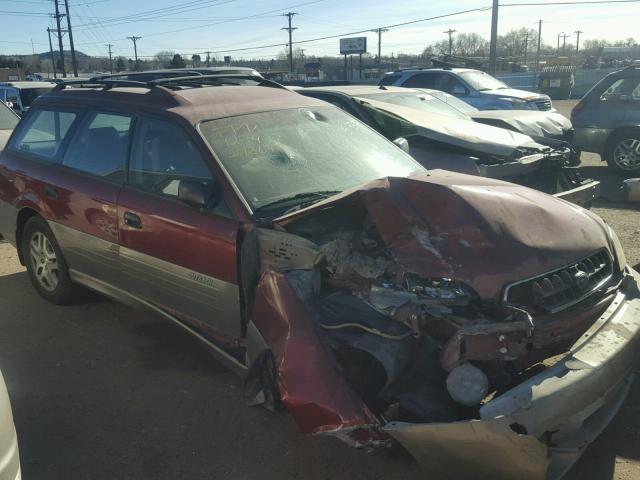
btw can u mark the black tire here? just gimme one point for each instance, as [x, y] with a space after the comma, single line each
[623, 153]
[45, 263]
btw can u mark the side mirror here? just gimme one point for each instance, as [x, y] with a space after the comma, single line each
[9, 104]
[459, 90]
[402, 143]
[197, 194]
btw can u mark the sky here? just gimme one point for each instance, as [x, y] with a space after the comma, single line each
[221, 26]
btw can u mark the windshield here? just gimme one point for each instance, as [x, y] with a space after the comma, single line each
[28, 95]
[455, 102]
[482, 81]
[420, 101]
[8, 119]
[282, 154]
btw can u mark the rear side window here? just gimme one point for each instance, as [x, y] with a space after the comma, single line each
[42, 133]
[424, 80]
[390, 79]
[100, 146]
[162, 155]
[629, 87]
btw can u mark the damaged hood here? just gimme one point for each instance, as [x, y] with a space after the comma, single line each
[540, 124]
[462, 133]
[483, 232]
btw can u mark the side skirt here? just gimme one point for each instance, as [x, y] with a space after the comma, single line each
[133, 301]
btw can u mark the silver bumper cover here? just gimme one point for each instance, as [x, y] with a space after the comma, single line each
[566, 406]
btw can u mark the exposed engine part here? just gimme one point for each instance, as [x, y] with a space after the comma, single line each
[364, 336]
[467, 384]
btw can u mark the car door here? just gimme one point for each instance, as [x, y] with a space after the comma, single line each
[72, 165]
[177, 256]
[83, 193]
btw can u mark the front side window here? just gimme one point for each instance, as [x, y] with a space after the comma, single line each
[629, 87]
[162, 155]
[482, 81]
[284, 156]
[424, 80]
[100, 146]
[42, 133]
[389, 79]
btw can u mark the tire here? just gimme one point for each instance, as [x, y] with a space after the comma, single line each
[623, 153]
[46, 265]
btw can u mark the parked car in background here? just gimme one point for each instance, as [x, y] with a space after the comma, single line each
[489, 328]
[473, 86]
[9, 453]
[8, 121]
[534, 123]
[19, 95]
[440, 136]
[607, 120]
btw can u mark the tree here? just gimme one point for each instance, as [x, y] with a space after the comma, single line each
[177, 62]
[512, 43]
[164, 58]
[195, 60]
[120, 64]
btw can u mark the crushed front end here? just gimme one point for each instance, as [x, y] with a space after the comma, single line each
[446, 312]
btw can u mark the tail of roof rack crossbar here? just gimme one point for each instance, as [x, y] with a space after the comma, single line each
[168, 83]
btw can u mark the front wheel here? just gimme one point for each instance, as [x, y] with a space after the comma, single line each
[46, 266]
[623, 154]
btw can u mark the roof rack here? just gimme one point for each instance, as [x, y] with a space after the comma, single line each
[167, 84]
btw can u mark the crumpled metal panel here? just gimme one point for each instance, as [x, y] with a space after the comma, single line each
[482, 449]
[534, 123]
[476, 230]
[311, 388]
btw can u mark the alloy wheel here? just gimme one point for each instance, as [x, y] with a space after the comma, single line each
[44, 262]
[626, 154]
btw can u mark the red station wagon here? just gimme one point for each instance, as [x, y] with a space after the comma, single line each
[488, 328]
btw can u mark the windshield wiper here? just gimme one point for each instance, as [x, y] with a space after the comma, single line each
[307, 198]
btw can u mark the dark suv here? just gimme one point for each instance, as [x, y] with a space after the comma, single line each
[374, 300]
[607, 121]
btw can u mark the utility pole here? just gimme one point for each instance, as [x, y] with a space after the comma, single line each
[450, 33]
[379, 31]
[74, 63]
[53, 59]
[58, 16]
[564, 42]
[110, 59]
[208, 58]
[526, 46]
[578, 32]
[302, 56]
[493, 46]
[134, 39]
[538, 53]
[290, 29]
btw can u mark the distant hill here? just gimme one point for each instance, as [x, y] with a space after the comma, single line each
[67, 54]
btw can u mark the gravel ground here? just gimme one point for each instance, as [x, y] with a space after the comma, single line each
[100, 391]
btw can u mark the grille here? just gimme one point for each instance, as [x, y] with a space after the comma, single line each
[543, 104]
[562, 288]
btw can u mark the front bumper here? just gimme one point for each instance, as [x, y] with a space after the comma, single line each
[558, 412]
[591, 139]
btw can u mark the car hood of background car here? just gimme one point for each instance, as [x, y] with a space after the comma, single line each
[541, 124]
[514, 93]
[484, 232]
[461, 133]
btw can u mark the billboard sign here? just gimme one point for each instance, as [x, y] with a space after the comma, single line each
[353, 45]
[227, 60]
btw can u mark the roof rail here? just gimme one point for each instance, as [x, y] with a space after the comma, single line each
[201, 80]
[166, 84]
[106, 84]
[107, 76]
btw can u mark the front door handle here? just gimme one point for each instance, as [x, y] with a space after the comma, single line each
[51, 192]
[132, 220]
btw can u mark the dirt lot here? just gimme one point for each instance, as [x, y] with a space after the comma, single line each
[100, 391]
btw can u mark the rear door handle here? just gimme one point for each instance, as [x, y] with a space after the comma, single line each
[132, 220]
[51, 192]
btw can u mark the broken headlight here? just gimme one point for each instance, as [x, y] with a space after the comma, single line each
[617, 250]
[443, 289]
